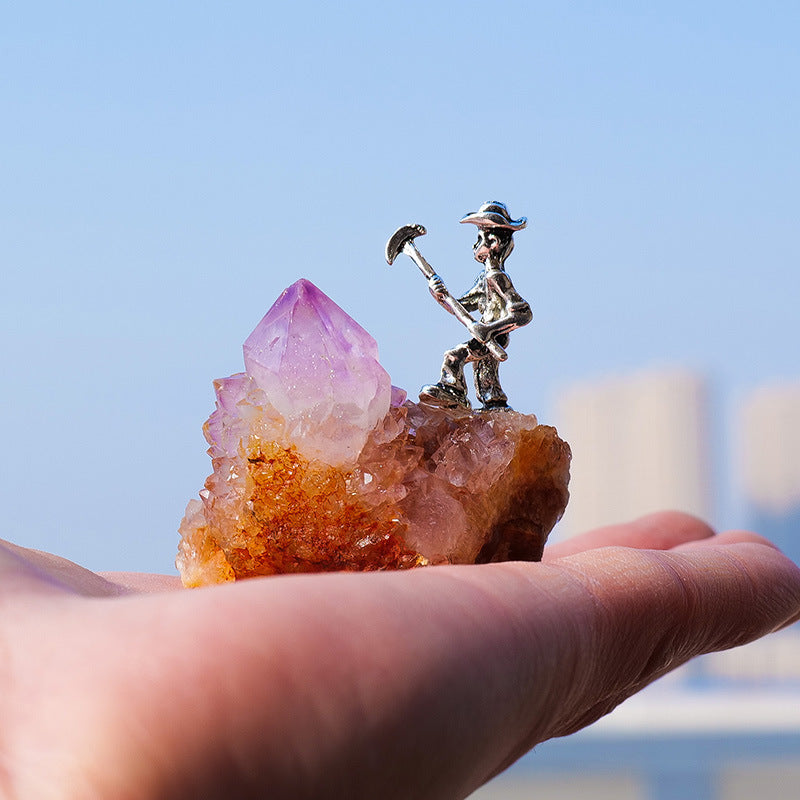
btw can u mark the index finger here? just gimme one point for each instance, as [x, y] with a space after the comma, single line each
[661, 531]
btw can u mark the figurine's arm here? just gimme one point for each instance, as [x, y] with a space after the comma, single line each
[439, 291]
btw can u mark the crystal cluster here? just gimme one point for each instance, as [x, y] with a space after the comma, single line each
[321, 464]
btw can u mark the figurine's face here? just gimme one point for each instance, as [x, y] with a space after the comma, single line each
[491, 243]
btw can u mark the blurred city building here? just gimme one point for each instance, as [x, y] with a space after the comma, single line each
[727, 725]
[640, 443]
[769, 464]
[766, 440]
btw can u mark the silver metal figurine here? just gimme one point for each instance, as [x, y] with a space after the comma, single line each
[501, 308]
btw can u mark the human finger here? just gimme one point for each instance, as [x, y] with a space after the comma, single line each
[727, 537]
[24, 570]
[143, 581]
[660, 531]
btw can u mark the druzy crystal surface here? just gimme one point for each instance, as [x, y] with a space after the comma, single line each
[319, 463]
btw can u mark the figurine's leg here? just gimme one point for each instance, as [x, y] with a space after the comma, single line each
[451, 390]
[453, 368]
[487, 379]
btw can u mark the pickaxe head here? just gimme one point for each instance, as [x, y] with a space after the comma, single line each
[402, 235]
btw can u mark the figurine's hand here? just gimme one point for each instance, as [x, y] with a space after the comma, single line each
[480, 331]
[437, 288]
[276, 686]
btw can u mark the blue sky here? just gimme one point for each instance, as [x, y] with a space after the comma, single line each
[170, 168]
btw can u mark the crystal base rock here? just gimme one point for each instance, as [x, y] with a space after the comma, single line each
[411, 485]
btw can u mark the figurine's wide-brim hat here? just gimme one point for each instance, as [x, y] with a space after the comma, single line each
[495, 215]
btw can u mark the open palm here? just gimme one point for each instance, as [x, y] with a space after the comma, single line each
[418, 684]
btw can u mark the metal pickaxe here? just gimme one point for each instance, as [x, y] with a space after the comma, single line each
[402, 241]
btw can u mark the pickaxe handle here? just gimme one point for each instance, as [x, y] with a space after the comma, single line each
[459, 312]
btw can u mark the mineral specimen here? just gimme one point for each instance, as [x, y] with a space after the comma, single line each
[321, 464]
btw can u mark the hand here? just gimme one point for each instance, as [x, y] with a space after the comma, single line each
[437, 287]
[480, 331]
[117, 686]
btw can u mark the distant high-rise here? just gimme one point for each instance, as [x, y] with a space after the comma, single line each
[767, 432]
[640, 443]
[769, 463]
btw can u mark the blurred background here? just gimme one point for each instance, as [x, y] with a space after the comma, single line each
[168, 168]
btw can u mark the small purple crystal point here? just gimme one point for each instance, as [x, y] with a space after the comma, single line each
[319, 369]
[320, 318]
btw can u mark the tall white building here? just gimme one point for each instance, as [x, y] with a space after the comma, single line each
[640, 443]
[769, 431]
[769, 463]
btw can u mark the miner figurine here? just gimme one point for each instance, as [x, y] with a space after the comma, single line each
[501, 309]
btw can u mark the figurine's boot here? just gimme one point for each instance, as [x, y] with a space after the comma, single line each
[437, 394]
[487, 384]
[451, 390]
